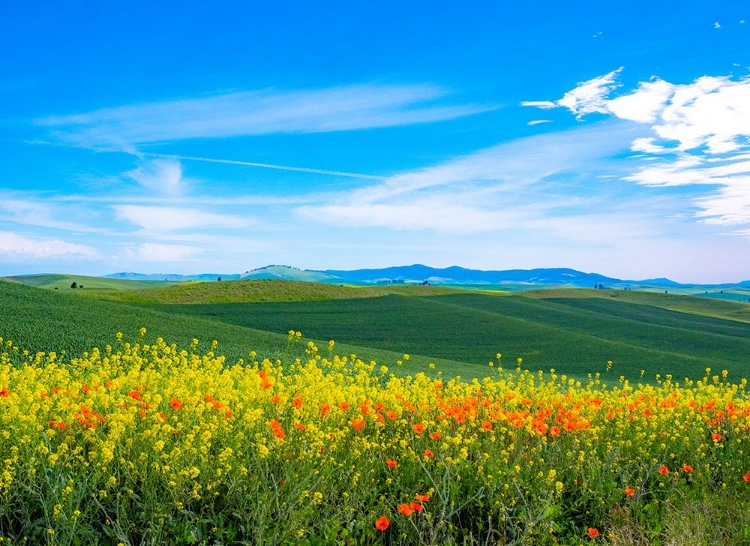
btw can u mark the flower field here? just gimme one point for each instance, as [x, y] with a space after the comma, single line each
[150, 443]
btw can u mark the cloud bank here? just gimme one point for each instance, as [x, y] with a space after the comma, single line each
[700, 135]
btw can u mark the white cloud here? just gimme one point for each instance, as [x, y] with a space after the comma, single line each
[700, 135]
[260, 112]
[164, 219]
[162, 253]
[643, 104]
[539, 121]
[543, 104]
[161, 176]
[17, 247]
[717, 25]
[589, 96]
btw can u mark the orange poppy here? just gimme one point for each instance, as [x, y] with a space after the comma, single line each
[176, 403]
[687, 468]
[629, 491]
[405, 509]
[663, 470]
[391, 463]
[422, 498]
[382, 523]
[593, 532]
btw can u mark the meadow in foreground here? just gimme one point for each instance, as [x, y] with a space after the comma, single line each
[150, 443]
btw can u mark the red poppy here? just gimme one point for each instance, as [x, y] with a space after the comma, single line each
[428, 453]
[175, 403]
[418, 428]
[382, 523]
[416, 506]
[135, 395]
[405, 509]
[422, 498]
[687, 468]
[663, 470]
[629, 491]
[593, 532]
[391, 463]
[716, 437]
[746, 477]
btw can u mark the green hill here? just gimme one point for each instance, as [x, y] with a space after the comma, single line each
[575, 331]
[287, 273]
[575, 335]
[84, 284]
[55, 321]
[265, 290]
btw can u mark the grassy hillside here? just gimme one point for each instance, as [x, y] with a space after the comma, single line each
[89, 284]
[265, 290]
[43, 320]
[574, 331]
[703, 306]
[574, 335]
[287, 273]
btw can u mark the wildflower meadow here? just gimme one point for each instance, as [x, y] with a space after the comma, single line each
[151, 443]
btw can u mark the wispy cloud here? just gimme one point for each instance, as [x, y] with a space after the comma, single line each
[16, 208]
[17, 247]
[166, 219]
[587, 98]
[503, 187]
[161, 176]
[162, 253]
[263, 165]
[260, 112]
[700, 135]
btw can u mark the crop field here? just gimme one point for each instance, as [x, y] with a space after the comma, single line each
[61, 321]
[577, 335]
[637, 431]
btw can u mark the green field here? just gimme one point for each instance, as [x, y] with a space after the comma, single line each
[44, 320]
[576, 331]
[575, 335]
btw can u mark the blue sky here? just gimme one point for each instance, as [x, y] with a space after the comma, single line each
[181, 137]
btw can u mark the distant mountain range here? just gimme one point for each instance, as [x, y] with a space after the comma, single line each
[423, 274]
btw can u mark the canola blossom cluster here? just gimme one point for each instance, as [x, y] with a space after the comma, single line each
[149, 443]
